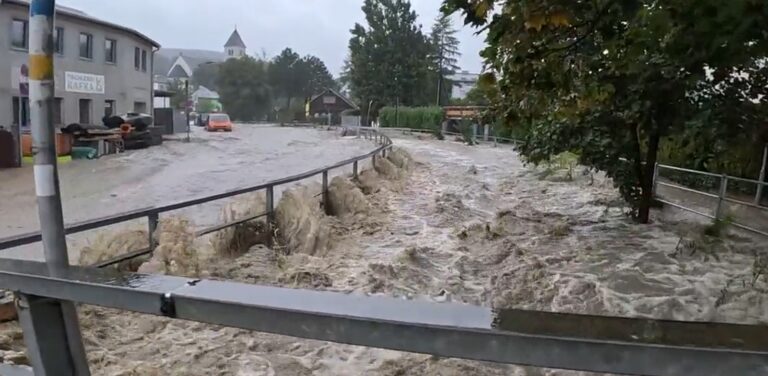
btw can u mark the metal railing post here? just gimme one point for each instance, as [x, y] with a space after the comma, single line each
[326, 207]
[270, 208]
[655, 179]
[761, 179]
[53, 331]
[354, 169]
[152, 220]
[721, 196]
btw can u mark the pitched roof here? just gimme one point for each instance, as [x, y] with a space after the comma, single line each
[177, 72]
[336, 93]
[235, 40]
[204, 92]
[80, 15]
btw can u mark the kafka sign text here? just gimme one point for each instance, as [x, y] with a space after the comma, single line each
[84, 83]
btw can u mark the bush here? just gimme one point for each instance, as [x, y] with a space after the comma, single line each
[411, 117]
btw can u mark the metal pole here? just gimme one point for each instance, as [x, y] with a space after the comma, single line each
[486, 131]
[152, 220]
[270, 206]
[655, 179]
[721, 196]
[397, 112]
[186, 105]
[761, 179]
[16, 132]
[325, 192]
[354, 169]
[41, 96]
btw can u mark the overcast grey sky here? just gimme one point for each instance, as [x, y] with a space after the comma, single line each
[317, 27]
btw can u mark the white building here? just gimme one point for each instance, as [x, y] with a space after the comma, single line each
[463, 82]
[100, 68]
[185, 61]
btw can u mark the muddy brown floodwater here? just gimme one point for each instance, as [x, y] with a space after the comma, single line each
[456, 223]
[175, 171]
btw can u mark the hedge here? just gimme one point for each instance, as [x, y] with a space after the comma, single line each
[411, 117]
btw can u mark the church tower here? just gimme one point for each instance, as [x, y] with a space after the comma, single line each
[235, 47]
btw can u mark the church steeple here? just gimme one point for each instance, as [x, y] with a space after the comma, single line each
[235, 47]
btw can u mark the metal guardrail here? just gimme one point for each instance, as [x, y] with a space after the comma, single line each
[542, 339]
[721, 196]
[566, 341]
[153, 213]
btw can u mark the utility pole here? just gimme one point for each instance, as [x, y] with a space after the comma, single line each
[439, 72]
[51, 328]
[186, 104]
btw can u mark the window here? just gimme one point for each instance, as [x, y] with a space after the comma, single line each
[230, 52]
[57, 119]
[85, 111]
[110, 51]
[140, 107]
[109, 107]
[329, 99]
[137, 58]
[19, 34]
[86, 46]
[23, 111]
[144, 60]
[58, 40]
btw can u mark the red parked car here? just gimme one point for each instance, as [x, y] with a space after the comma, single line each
[218, 122]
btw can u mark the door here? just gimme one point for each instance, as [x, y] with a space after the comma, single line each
[85, 111]
[109, 108]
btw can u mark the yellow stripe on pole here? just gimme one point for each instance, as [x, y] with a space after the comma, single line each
[40, 67]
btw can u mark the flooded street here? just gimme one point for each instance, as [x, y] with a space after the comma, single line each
[175, 171]
[457, 223]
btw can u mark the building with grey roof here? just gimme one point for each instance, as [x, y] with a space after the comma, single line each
[101, 68]
[184, 62]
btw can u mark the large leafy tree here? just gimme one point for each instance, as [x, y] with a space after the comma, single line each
[286, 75]
[388, 59]
[444, 56]
[611, 79]
[244, 88]
[206, 75]
[293, 77]
[318, 78]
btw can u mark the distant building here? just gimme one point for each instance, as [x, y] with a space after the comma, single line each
[463, 82]
[235, 47]
[101, 68]
[329, 101]
[181, 63]
[206, 100]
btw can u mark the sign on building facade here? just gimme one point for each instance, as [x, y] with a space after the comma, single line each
[83, 83]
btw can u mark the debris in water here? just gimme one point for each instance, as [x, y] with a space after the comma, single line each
[302, 226]
[110, 245]
[175, 253]
[236, 240]
[345, 198]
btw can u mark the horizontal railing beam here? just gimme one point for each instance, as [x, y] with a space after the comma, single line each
[564, 341]
[220, 227]
[34, 237]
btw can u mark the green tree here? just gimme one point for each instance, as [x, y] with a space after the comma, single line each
[317, 76]
[388, 59]
[444, 56]
[610, 79]
[287, 75]
[179, 96]
[206, 75]
[244, 88]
